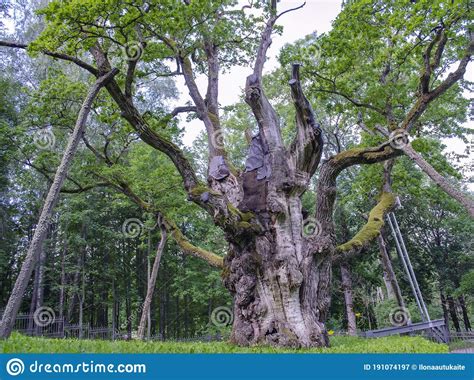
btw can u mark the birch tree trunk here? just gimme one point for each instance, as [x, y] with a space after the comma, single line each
[14, 302]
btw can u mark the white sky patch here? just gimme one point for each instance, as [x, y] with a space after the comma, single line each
[316, 15]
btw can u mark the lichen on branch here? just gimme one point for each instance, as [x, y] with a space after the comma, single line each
[213, 259]
[372, 228]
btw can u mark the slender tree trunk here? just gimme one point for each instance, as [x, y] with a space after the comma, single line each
[390, 278]
[186, 316]
[167, 314]
[372, 316]
[21, 283]
[75, 289]
[152, 282]
[162, 315]
[41, 264]
[63, 279]
[40, 285]
[115, 311]
[35, 292]
[444, 306]
[177, 319]
[34, 297]
[348, 300]
[465, 316]
[128, 310]
[82, 295]
[81, 317]
[453, 313]
[148, 271]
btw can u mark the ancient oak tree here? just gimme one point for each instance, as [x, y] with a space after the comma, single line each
[279, 264]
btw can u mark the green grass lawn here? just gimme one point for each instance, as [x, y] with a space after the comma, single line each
[339, 344]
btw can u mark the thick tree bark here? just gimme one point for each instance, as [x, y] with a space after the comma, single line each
[280, 286]
[152, 282]
[348, 299]
[274, 302]
[21, 283]
[279, 273]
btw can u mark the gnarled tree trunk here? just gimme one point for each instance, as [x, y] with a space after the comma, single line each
[280, 292]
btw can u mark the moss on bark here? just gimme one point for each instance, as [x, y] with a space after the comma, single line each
[373, 226]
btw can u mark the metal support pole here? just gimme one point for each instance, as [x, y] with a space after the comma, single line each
[410, 267]
[405, 265]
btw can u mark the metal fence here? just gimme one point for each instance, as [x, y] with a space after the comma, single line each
[462, 341]
[435, 331]
[87, 332]
[58, 328]
[26, 324]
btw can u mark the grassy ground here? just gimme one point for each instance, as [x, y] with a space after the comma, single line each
[339, 344]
